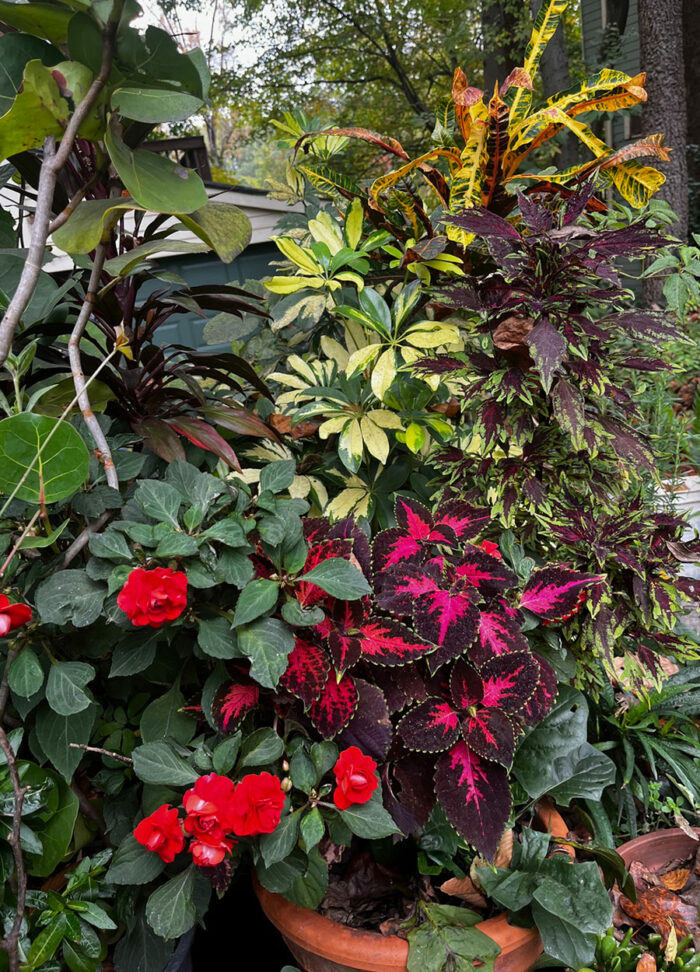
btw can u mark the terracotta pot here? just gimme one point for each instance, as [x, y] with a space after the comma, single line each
[322, 945]
[659, 847]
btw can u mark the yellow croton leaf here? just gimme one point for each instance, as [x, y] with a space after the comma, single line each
[290, 285]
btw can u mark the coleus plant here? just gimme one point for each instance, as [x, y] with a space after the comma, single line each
[432, 673]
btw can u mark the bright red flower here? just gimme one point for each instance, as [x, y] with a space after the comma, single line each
[489, 547]
[206, 853]
[161, 833]
[257, 805]
[12, 615]
[209, 808]
[356, 776]
[152, 597]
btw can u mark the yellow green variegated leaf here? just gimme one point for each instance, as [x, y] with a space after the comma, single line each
[635, 182]
[447, 264]
[466, 184]
[329, 182]
[415, 437]
[325, 230]
[353, 224]
[334, 349]
[354, 499]
[350, 446]
[651, 146]
[297, 254]
[391, 178]
[557, 120]
[543, 30]
[384, 373]
[356, 337]
[347, 276]
[290, 285]
[292, 381]
[302, 368]
[430, 336]
[333, 426]
[361, 358]
[385, 418]
[375, 439]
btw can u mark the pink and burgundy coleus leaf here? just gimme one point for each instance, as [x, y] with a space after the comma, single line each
[387, 642]
[335, 706]
[370, 729]
[484, 571]
[543, 697]
[475, 795]
[553, 593]
[499, 634]
[491, 733]
[232, 703]
[307, 671]
[341, 631]
[347, 529]
[430, 727]
[506, 683]
[309, 594]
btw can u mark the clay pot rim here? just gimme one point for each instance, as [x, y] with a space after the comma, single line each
[637, 844]
[340, 943]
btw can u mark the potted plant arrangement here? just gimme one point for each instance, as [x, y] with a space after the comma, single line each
[355, 653]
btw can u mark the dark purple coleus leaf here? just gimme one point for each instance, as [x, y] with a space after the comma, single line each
[335, 706]
[349, 530]
[447, 617]
[408, 790]
[370, 729]
[398, 589]
[482, 222]
[307, 671]
[484, 571]
[386, 642]
[475, 795]
[431, 727]
[340, 629]
[232, 703]
[395, 547]
[491, 734]
[499, 634]
[400, 686]
[553, 593]
[509, 681]
[548, 348]
[543, 697]
[464, 520]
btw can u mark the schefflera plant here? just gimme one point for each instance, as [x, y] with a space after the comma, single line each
[554, 443]
[431, 673]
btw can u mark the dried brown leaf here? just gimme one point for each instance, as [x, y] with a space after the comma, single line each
[676, 880]
[465, 889]
[647, 963]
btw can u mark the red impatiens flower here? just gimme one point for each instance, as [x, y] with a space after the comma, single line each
[489, 547]
[209, 853]
[209, 808]
[257, 805]
[356, 777]
[152, 597]
[161, 833]
[12, 615]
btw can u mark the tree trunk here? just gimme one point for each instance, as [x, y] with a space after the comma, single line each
[691, 43]
[502, 51]
[556, 77]
[661, 43]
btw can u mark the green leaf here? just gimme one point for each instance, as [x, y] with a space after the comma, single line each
[75, 959]
[277, 476]
[65, 690]
[59, 472]
[37, 112]
[369, 820]
[133, 656]
[48, 20]
[26, 674]
[157, 762]
[15, 51]
[339, 578]
[312, 828]
[309, 889]
[177, 544]
[230, 532]
[69, 597]
[280, 876]
[133, 864]
[154, 181]
[294, 614]
[96, 916]
[110, 545]
[582, 774]
[257, 598]
[47, 941]
[163, 719]
[141, 950]
[171, 909]
[267, 643]
[223, 226]
[216, 638]
[280, 843]
[159, 500]
[325, 755]
[154, 105]
[303, 771]
[85, 227]
[261, 748]
[224, 755]
[233, 567]
[55, 733]
[56, 829]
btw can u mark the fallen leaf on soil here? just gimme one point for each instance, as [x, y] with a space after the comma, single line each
[647, 963]
[466, 890]
[676, 880]
[658, 907]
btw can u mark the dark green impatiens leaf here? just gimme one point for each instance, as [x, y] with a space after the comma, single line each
[134, 864]
[339, 578]
[26, 674]
[257, 598]
[267, 643]
[65, 688]
[447, 941]
[369, 820]
[171, 909]
[157, 762]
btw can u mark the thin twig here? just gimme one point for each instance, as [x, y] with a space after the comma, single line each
[83, 538]
[18, 544]
[11, 940]
[72, 205]
[104, 453]
[53, 162]
[103, 752]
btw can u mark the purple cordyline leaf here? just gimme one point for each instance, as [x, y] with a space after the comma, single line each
[430, 727]
[335, 706]
[232, 703]
[370, 728]
[386, 642]
[482, 222]
[499, 634]
[552, 593]
[307, 671]
[628, 241]
[543, 697]
[548, 348]
[475, 795]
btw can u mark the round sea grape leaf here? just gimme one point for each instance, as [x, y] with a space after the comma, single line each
[60, 470]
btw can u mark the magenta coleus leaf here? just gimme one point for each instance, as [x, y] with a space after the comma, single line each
[307, 671]
[484, 571]
[386, 642]
[466, 686]
[232, 703]
[449, 619]
[543, 697]
[335, 706]
[397, 590]
[491, 734]
[475, 795]
[345, 649]
[464, 520]
[499, 634]
[552, 593]
[414, 518]
[394, 547]
[509, 681]
[430, 727]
